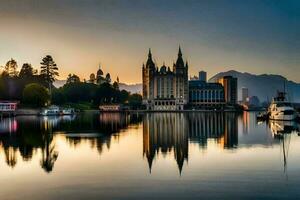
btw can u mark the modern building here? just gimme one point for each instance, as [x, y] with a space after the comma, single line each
[245, 94]
[203, 76]
[203, 95]
[230, 89]
[163, 88]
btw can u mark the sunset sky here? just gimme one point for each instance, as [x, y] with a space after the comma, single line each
[260, 36]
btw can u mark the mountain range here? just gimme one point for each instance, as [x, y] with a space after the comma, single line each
[264, 86]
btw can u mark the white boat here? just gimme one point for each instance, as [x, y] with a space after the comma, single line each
[68, 111]
[50, 111]
[280, 109]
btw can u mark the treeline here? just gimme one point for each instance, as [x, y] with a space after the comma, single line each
[14, 82]
[90, 95]
[36, 89]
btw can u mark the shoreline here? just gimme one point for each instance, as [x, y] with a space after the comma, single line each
[36, 111]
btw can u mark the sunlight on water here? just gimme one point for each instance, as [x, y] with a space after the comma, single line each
[166, 155]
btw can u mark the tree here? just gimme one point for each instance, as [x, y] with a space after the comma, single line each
[58, 97]
[135, 101]
[11, 68]
[72, 79]
[27, 71]
[124, 96]
[107, 78]
[35, 94]
[49, 70]
[49, 154]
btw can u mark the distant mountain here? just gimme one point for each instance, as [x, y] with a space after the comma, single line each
[132, 88]
[59, 83]
[264, 86]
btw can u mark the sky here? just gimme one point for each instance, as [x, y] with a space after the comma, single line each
[256, 36]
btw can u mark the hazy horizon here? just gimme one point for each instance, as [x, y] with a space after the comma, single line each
[259, 37]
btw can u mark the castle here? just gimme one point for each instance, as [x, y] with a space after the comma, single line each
[163, 88]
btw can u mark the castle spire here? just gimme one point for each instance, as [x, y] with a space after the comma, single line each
[179, 52]
[149, 54]
[150, 63]
[179, 62]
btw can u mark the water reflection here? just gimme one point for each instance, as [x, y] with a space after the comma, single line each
[171, 132]
[281, 131]
[162, 133]
[30, 135]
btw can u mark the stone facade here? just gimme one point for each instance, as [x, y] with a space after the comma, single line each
[163, 88]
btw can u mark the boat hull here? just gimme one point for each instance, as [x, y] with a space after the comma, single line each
[283, 117]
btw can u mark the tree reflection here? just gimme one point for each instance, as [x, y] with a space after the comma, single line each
[27, 135]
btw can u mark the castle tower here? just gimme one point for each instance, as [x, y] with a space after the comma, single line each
[148, 77]
[181, 81]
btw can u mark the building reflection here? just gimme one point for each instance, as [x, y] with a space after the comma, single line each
[26, 136]
[164, 133]
[171, 132]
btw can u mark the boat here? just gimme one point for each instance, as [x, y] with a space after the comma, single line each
[280, 109]
[50, 111]
[67, 111]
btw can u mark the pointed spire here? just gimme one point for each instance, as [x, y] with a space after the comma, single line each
[150, 63]
[186, 64]
[179, 52]
[149, 54]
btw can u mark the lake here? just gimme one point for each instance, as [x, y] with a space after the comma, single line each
[149, 156]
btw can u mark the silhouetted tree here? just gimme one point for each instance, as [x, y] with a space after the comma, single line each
[27, 71]
[123, 96]
[11, 68]
[135, 101]
[49, 70]
[35, 94]
[72, 79]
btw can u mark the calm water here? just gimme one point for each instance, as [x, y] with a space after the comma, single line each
[150, 156]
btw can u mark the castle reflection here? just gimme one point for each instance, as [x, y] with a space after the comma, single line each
[29, 136]
[165, 132]
[171, 132]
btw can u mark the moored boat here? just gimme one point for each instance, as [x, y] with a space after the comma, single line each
[67, 111]
[280, 109]
[50, 111]
[55, 111]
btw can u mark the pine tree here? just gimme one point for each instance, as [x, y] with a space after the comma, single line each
[27, 71]
[49, 70]
[11, 68]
